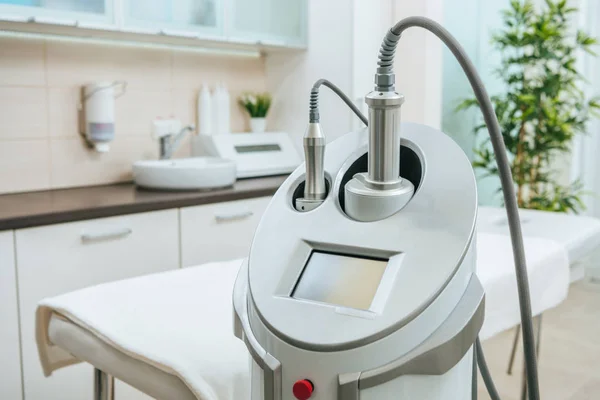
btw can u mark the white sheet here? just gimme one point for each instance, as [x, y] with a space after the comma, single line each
[548, 269]
[179, 322]
[580, 235]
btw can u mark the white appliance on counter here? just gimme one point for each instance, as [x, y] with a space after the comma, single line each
[255, 154]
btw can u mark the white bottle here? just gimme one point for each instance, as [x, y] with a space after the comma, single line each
[205, 113]
[216, 110]
[225, 124]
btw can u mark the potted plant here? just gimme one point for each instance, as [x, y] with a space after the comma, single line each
[543, 106]
[257, 105]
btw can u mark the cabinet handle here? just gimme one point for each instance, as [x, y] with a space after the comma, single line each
[233, 216]
[113, 234]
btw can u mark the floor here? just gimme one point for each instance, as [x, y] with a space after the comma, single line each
[569, 364]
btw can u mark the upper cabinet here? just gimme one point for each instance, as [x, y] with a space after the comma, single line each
[250, 22]
[180, 17]
[61, 12]
[270, 21]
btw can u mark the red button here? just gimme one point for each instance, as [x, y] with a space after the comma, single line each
[303, 389]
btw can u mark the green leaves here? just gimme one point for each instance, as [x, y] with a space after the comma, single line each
[256, 104]
[543, 107]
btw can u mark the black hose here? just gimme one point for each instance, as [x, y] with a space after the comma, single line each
[314, 101]
[512, 210]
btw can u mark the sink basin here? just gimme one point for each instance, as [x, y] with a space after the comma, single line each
[184, 173]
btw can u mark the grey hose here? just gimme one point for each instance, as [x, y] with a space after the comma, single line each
[314, 101]
[485, 372]
[383, 82]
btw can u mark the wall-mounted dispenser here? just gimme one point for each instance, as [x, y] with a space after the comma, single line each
[98, 113]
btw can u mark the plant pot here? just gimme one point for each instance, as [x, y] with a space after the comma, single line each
[258, 125]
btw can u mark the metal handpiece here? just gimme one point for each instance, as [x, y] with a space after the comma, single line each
[384, 136]
[314, 154]
[315, 188]
[380, 192]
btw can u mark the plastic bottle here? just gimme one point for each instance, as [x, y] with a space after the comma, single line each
[216, 110]
[225, 124]
[205, 113]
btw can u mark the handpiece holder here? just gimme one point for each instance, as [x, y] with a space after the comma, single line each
[380, 192]
[315, 189]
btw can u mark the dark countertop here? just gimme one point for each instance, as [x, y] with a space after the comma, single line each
[24, 210]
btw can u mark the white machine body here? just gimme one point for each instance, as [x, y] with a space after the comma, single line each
[387, 309]
[255, 154]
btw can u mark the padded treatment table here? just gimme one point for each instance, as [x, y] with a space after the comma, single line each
[580, 235]
[546, 236]
[170, 335]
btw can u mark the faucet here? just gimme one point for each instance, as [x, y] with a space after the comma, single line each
[169, 143]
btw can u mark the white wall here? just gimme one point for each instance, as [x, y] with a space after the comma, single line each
[371, 21]
[291, 75]
[344, 38]
[418, 64]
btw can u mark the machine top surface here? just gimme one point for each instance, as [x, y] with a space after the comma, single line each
[323, 281]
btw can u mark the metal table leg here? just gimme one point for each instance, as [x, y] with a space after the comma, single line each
[104, 386]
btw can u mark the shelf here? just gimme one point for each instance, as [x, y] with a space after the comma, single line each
[110, 35]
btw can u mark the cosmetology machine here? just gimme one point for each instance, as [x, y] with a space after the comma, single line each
[361, 281]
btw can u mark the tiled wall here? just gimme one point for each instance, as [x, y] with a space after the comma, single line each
[40, 147]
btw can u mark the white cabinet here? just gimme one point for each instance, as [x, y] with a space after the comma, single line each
[270, 21]
[181, 17]
[10, 358]
[219, 232]
[61, 258]
[60, 12]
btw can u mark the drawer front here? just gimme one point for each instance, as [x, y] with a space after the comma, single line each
[60, 258]
[219, 232]
[10, 359]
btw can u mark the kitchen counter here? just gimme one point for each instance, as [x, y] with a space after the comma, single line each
[24, 210]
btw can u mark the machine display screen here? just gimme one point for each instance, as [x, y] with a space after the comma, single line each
[347, 281]
[257, 148]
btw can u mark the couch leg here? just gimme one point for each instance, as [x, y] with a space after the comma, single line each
[104, 385]
[513, 351]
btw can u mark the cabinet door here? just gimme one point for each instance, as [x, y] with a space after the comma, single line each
[64, 12]
[10, 359]
[219, 232]
[61, 258]
[273, 22]
[174, 17]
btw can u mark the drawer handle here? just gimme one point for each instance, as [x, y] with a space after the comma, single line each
[233, 216]
[113, 234]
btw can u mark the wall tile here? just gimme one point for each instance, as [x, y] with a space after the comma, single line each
[79, 64]
[24, 165]
[23, 113]
[22, 62]
[75, 165]
[40, 88]
[191, 71]
[63, 111]
[136, 110]
[184, 105]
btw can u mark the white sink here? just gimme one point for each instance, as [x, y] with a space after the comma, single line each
[184, 173]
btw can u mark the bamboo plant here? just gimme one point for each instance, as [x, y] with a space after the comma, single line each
[543, 106]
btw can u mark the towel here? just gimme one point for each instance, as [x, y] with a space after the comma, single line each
[548, 270]
[179, 322]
